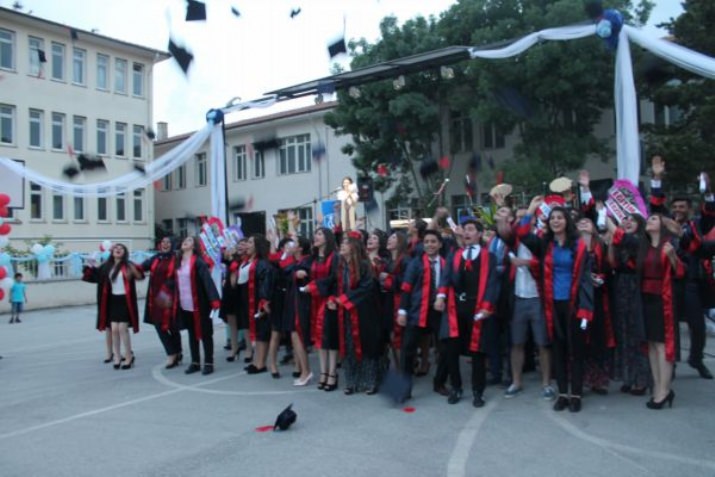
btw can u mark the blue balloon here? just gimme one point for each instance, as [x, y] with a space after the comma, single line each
[5, 260]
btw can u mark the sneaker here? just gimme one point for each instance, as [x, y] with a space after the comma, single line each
[548, 393]
[512, 391]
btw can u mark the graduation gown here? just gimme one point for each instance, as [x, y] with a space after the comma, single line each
[158, 308]
[415, 296]
[102, 277]
[322, 274]
[203, 292]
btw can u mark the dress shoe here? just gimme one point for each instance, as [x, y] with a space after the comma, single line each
[110, 359]
[174, 363]
[275, 375]
[575, 404]
[252, 369]
[208, 369]
[562, 402]
[332, 387]
[130, 363]
[248, 359]
[700, 367]
[455, 395]
[478, 400]
[231, 358]
[441, 390]
[303, 382]
[652, 404]
[193, 368]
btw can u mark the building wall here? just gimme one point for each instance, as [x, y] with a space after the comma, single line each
[274, 191]
[24, 89]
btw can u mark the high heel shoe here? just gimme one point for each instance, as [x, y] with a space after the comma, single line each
[130, 364]
[303, 382]
[110, 359]
[174, 363]
[334, 386]
[652, 404]
[323, 381]
[248, 359]
[231, 358]
[117, 365]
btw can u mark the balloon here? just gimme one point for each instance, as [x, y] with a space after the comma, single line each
[2, 221]
[49, 250]
[3, 272]
[5, 260]
[4, 199]
[105, 245]
[3, 211]
[5, 229]
[5, 284]
[4, 241]
[37, 249]
[2, 294]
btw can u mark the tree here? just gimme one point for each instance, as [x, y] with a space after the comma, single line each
[686, 141]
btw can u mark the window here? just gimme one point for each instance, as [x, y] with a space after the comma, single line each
[183, 226]
[102, 135]
[7, 49]
[138, 79]
[78, 127]
[294, 154]
[305, 214]
[492, 136]
[7, 124]
[37, 47]
[35, 201]
[102, 210]
[36, 129]
[666, 116]
[58, 131]
[181, 177]
[137, 134]
[139, 205]
[167, 182]
[168, 226]
[259, 165]
[58, 207]
[201, 174]
[58, 61]
[120, 133]
[460, 137]
[121, 208]
[102, 71]
[120, 76]
[240, 172]
[79, 59]
[79, 209]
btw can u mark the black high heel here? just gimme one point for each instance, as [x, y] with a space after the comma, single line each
[334, 386]
[117, 365]
[652, 404]
[322, 382]
[110, 359]
[174, 363]
[130, 364]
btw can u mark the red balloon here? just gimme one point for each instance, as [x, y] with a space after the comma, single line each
[4, 199]
[3, 211]
[3, 273]
[5, 229]
[2, 294]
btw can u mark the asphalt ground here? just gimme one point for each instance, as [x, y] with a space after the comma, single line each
[65, 413]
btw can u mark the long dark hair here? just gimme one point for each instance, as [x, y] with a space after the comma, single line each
[644, 244]
[382, 242]
[357, 262]
[330, 245]
[571, 232]
[123, 262]
[261, 245]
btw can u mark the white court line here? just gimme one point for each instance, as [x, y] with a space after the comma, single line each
[457, 463]
[614, 446]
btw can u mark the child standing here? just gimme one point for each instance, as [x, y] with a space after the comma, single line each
[18, 297]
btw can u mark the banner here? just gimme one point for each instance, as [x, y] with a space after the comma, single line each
[329, 208]
[625, 199]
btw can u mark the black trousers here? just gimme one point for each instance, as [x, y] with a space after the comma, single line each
[207, 338]
[448, 363]
[170, 339]
[410, 342]
[694, 314]
[569, 348]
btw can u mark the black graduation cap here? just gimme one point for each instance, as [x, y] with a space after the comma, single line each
[150, 133]
[285, 419]
[237, 204]
[73, 34]
[265, 144]
[326, 87]
[41, 56]
[337, 47]
[90, 163]
[139, 168]
[70, 171]
[428, 167]
[295, 12]
[395, 386]
[318, 151]
[511, 99]
[593, 9]
[195, 11]
[182, 56]
[235, 11]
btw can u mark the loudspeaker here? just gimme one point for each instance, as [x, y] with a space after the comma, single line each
[365, 190]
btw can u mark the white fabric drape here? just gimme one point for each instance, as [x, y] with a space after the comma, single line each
[522, 44]
[218, 174]
[628, 150]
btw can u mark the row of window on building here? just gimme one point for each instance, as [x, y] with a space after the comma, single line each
[57, 59]
[124, 211]
[58, 132]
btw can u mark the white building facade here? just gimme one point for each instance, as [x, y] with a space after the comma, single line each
[65, 91]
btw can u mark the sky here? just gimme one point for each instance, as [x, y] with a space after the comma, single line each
[261, 50]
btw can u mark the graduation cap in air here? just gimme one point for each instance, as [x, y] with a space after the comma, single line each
[41, 55]
[318, 151]
[428, 167]
[182, 56]
[285, 419]
[295, 12]
[90, 163]
[195, 11]
[71, 171]
[265, 144]
[337, 47]
[140, 169]
[235, 11]
[240, 203]
[395, 386]
[149, 132]
[73, 34]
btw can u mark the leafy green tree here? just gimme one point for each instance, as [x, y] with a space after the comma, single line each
[686, 142]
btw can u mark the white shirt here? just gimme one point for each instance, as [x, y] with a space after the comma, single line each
[472, 250]
[524, 283]
[118, 284]
[243, 273]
